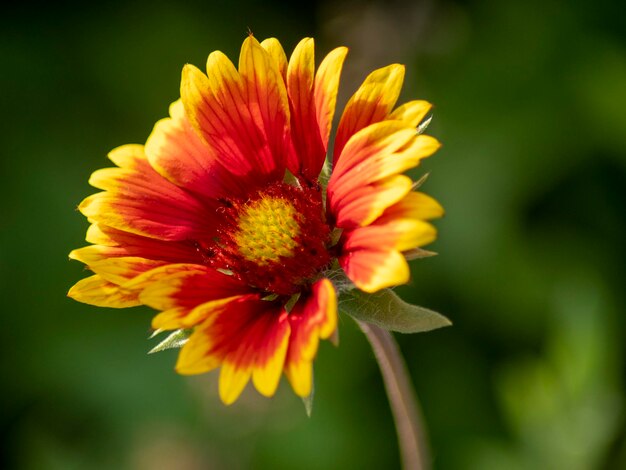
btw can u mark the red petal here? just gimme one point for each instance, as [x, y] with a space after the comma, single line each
[310, 151]
[242, 115]
[139, 200]
[176, 151]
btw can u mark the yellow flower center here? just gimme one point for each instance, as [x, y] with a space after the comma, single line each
[267, 230]
[276, 239]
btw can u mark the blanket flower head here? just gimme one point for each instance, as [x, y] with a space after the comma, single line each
[227, 222]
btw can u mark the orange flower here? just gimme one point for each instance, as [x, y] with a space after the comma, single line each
[223, 223]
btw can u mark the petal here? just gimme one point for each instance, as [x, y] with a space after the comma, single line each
[312, 99]
[176, 152]
[382, 150]
[109, 287]
[247, 339]
[268, 103]
[95, 290]
[400, 235]
[374, 143]
[310, 151]
[415, 205]
[312, 318]
[412, 113]
[216, 108]
[150, 216]
[270, 357]
[123, 269]
[233, 379]
[98, 236]
[366, 179]
[189, 285]
[185, 317]
[94, 253]
[372, 270]
[217, 337]
[277, 53]
[242, 115]
[261, 349]
[129, 156]
[300, 376]
[364, 204]
[371, 103]
[110, 242]
[326, 87]
[139, 200]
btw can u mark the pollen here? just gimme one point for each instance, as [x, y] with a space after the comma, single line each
[267, 230]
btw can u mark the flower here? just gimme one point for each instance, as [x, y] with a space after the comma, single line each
[223, 223]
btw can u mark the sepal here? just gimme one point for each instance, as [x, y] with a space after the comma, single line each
[308, 400]
[176, 339]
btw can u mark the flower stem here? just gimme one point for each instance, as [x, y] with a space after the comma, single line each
[402, 398]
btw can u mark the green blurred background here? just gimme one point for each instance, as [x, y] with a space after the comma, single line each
[530, 102]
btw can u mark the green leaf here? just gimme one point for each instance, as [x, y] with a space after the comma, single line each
[175, 340]
[386, 310]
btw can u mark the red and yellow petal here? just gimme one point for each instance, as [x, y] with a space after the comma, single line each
[187, 317]
[130, 156]
[241, 113]
[326, 88]
[268, 103]
[403, 159]
[139, 200]
[350, 193]
[312, 100]
[371, 103]
[95, 290]
[312, 318]
[412, 113]
[270, 359]
[398, 235]
[367, 179]
[372, 255]
[372, 270]
[187, 294]
[216, 117]
[174, 220]
[123, 269]
[112, 243]
[376, 142]
[98, 235]
[380, 150]
[277, 53]
[177, 153]
[414, 205]
[364, 204]
[309, 155]
[109, 287]
[247, 339]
